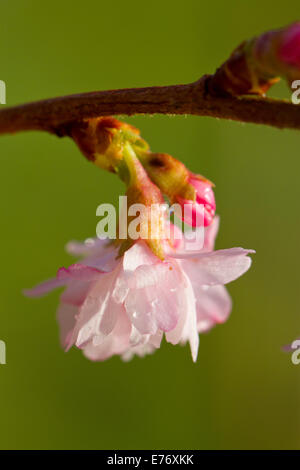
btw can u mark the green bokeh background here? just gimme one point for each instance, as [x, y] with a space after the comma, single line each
[244, 391]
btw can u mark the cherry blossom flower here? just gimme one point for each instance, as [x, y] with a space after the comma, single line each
[124, 306]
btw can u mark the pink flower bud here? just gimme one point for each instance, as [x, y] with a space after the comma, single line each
[289, 50]
[202, 210]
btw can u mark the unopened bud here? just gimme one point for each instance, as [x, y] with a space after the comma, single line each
[194, 193]
[202, 210]
[257, 64]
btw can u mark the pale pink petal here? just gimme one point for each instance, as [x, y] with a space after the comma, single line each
[165, 272]
[44, 287]
[141, 351]
[153, 301]
[147, 346]
[100, 254]
[139, 306]
[110, 316]
[137, 338]
[186, 328]
[117, 342]
[213, 306]
[155, 340]
[217, 267]
[210, 234]
[106, 262]
[91, 247]
[174, 336]
[139, 254]
[76, 292]
[203, 242]
[93, 309]
[190, 332]
[63, 277]
[66, 317]
[121, 288]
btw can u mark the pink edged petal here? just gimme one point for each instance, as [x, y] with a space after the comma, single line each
[63, 277]
[213, 306]
[217, 267]
[117, 342]
[66, 317]
[44, 287]
[78, 272]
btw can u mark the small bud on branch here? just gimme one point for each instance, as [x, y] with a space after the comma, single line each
[257, 64]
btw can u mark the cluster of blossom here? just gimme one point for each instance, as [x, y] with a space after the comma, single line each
[124, 295]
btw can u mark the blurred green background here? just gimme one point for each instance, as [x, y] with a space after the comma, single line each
[244, 391]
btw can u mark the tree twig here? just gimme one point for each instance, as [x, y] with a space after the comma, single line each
[54, 115]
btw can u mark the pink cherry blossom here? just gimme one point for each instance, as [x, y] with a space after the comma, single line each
[201, 211]
[124, 306]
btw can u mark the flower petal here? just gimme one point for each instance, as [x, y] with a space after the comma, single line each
[139, 254]
[217, 267]
[93, 310]
[78, 272]
[44, 287]
[117, 342]
[213, 306]
[186, 328]
[210, 234]
[91, 247]
[76, 292]
[153, 301]
[63, 277]
[66, 317]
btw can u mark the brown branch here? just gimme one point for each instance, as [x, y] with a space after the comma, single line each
[54, 115]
